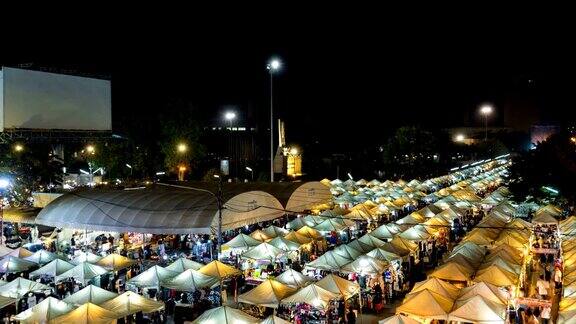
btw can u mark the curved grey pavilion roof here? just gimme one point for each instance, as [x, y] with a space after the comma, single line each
[162, 209]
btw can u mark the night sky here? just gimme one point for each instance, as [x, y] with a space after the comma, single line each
[337, 79]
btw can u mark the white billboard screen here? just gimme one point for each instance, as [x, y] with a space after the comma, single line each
[40, 100]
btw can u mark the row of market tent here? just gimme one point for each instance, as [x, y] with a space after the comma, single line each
[567, 308]
[370, 253]
[370, 204]
[477, 279]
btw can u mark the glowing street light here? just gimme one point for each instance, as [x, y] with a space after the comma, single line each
[18, 147]
[486, 110]
[90, 149]
[229, 116]
[182, 148]
[459, 138]
[272, 66]
[251, 172]
[181, 170]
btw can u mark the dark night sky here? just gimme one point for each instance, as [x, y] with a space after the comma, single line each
[340, 75]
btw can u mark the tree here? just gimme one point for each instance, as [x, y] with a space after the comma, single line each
[551, 164]
[409, 153]
[181, 131]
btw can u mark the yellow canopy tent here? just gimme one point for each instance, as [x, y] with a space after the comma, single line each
[544, 218]
[219, 270]
[89, 314]
[90, 294]
[486, 290]
[501, 263]
[519, 223]
[568, 304]
[293, 278]
[550, 209]
[260, 236]
[452, 271]
[478, 310]
[268, 294]
[310, 233]
[396, 250]
[183, 264]
[225, 315]
[426, 304]
[190, 280]
[44, 311]
[403, 244]
[438, 286]
[312, 295]
[496, 276]
[130, 303]
[297, 237]
[115, 262]
[5, 301]
[339, 286]
[399, 319]
[20, 253]
[566, 317]
[480, 236]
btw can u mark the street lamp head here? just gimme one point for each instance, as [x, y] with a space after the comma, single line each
[486, 110]
[216, 176]
[128, 166]
[274, 65]
[18, 147]
[294, 151]
[249, 169]
[459, 138]
[230, 115]
[182, 148]
[181, 168]
[90, 149]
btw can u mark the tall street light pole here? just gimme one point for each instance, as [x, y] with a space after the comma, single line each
[230, 116]
[486, 110]
[272, 67]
